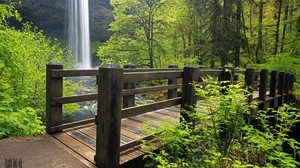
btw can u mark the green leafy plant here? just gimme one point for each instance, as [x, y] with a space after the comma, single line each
[21, 122]
[224, 137]
[24, 53]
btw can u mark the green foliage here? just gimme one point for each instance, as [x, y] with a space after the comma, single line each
[23, 56]
[21, 122]
[284, 62]
[223, 136]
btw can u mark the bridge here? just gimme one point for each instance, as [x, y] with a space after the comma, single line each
[113, 137]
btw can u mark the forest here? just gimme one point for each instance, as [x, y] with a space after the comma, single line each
[149, 34]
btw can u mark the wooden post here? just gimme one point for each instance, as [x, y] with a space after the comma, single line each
[109, 116]
[225, 78]
[262, 95]
[173, 92]
[292, 78]
[235, 76]
[286, 89]
[281, 78]
[129, 101]
[273, 84]
[201, 67]
[189, 100]
[54, 88]
[249, 82]
[273, 89]
[226, 73]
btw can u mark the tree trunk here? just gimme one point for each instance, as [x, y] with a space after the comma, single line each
[238, 33]
[259, 42]
[226, 32]
[150, 41]
[277, 27]
[215, 33]
[286, 12]
[244, 33]
[250, 21]
[291, 14]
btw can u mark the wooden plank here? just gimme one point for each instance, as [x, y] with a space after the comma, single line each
[73, 99]
[133, 126]
[146, 76]
[124, 139]
[130, 154]
[132, 111]
[72, 124]
[86, 140]
[74, 73]
[132, 135]
[150, 89]
[210, 72]
[89, 132]
[151, 70]
[83, 150]
[136, 142]
[161, 116]
[73, 153]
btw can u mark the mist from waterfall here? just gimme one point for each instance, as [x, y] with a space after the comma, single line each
[79, 32]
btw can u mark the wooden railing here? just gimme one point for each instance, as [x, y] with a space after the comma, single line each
[117, 88]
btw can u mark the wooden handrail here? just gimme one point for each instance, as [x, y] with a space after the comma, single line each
[115, 83]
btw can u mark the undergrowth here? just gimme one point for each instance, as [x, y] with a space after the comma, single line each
[224, 137]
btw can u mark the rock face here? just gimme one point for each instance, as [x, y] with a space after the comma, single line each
[51, 16]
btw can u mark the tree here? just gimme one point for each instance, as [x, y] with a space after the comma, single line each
[136, 27]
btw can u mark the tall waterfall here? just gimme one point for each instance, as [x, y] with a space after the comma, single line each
[79, 32]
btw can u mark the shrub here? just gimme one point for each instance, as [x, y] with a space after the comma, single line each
[223, 136]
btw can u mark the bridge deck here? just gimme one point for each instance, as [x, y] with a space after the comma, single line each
[82, 140]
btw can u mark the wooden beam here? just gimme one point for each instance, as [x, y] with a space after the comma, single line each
[129, 100]
[249, 82]
[108, 120]
[54, 88]
[190, 75]
[172, 93]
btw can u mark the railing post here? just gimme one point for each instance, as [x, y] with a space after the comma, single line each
[109, 116]
[225, 76]
[235, 77]
[129, 101]
[281, 78]
[262, 95]
[189, 100]
[292, 78]
[249, 82]
[286, 87]
[173, 92]
[226, 73]
[273, 88]
[54, 88]
[201, 67]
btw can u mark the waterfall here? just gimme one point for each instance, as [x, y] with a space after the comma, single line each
[79, 32]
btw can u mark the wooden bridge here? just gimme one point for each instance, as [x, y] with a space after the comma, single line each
[112, 138]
